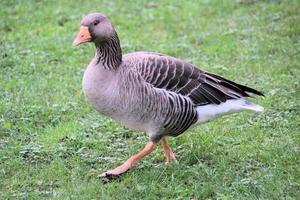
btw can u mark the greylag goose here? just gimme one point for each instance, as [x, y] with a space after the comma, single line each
[153, 93]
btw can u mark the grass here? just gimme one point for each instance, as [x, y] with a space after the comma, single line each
[52, 142]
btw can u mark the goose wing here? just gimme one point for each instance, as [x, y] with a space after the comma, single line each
[183, 78]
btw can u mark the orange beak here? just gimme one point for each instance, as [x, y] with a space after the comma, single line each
[82, 37]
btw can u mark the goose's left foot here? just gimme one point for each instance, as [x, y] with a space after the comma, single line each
[130, 163]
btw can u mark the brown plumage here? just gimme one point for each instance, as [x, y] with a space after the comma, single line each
[154, 93]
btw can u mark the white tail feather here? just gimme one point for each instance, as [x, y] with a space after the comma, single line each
[251, 106]
[209, 112]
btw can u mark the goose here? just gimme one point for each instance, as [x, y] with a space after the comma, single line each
[153, 93]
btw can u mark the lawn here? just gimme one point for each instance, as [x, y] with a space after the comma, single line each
[52, 143]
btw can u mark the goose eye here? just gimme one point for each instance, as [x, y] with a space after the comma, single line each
[96, 23]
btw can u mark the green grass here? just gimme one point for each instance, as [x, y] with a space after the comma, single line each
[52, 142]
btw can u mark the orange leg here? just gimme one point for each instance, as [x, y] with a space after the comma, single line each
[131, 162]
[170, 156]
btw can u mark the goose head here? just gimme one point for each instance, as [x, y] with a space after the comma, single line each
[96, 28]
